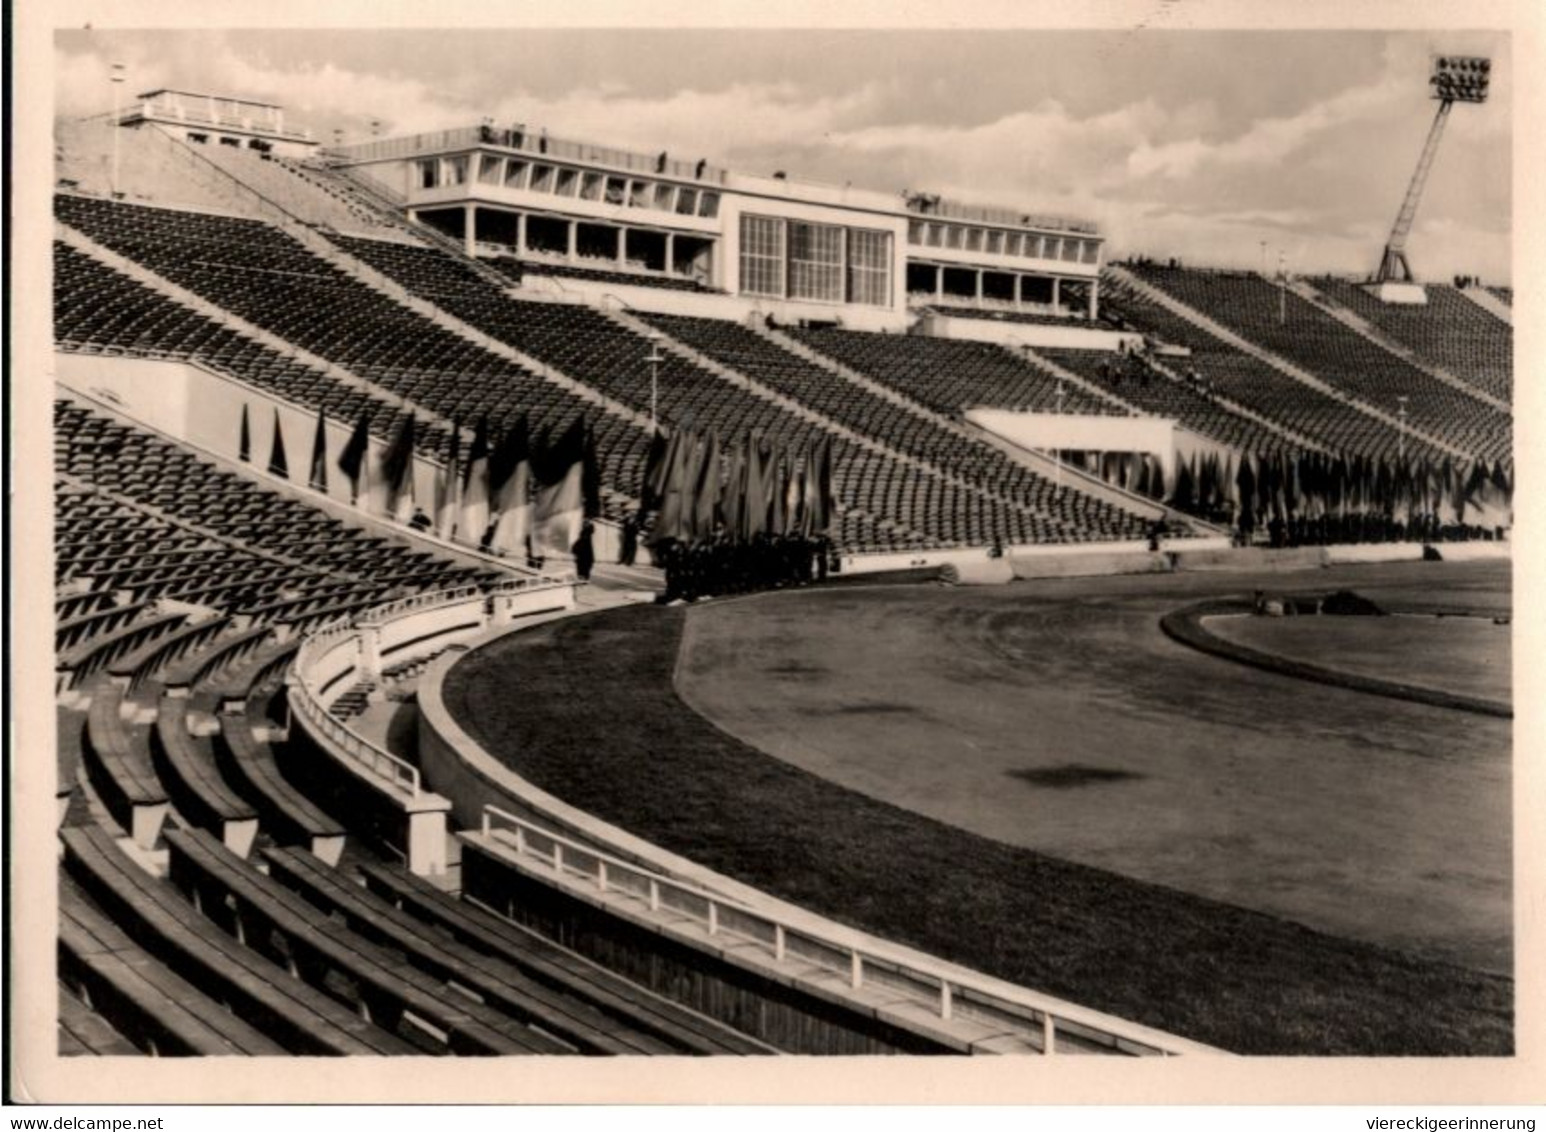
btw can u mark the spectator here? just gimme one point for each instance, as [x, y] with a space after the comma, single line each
[703, 163]
[630, 548]
[584, 550]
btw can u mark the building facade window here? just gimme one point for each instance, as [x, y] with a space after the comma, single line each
[762, 256]
[815, 262]
[869, 267]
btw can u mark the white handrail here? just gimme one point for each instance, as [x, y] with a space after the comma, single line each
[397, 773]
[306, 695]
[943, 995]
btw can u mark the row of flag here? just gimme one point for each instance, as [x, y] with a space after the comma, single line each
[1312, 485]
[700, 491]
[518, 493]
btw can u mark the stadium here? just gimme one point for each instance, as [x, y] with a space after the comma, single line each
[516, 593]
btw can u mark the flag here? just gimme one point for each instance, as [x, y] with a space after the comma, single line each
[778, 494]
[277, 465]
[244, 443]
[397, 473]
[559, 507]
[826, 502]
[657, 467]
[475, 488]
[794, 493]
[706, 492]
[733, 503]
[590, 475]
[351, 461]
[448, 494]
[759, 479]
[318, 477]
[510, 480]
[1245, 488]
[675, 494]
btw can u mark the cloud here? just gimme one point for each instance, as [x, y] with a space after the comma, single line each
[1184, 164]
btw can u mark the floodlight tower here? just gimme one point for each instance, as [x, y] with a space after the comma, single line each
[1455, 78]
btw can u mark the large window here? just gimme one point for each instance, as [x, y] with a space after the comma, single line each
[869, 267]
[762, 256]
[825, 263]
[815, 262]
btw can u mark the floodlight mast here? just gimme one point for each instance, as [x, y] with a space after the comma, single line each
[1454, 79]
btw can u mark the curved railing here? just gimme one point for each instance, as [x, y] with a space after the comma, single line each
[333, 657]
[944, 989]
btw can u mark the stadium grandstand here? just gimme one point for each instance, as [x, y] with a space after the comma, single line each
[332, 421]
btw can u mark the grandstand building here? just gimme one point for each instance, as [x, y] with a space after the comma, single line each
[794, 249]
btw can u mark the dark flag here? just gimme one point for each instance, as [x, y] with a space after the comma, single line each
[318, 478]
[277, 464]
[590, 475]
[675, 491]
[244, 443]
[826, 501]
[509, 482]
[657, 466]
[1245, 487]
[397, 473]
[351, 461]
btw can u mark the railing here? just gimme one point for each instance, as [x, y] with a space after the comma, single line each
[532, 142]
[382, 764]
[306, 692]
[931, 206]
[1041, 1019]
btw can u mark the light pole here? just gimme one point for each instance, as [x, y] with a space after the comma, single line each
[1282, 288]
[1264, 257]
[1057, 455]
[654, 360]
[116, 77]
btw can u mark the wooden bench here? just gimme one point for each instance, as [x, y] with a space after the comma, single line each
[180, 677]
[289, 816]
[70, 607]
[117, 757]
[69, 732]
[83, 1032]
[301, 1018]
[390, 992]
[138, 994]
[81, 660]
[497, 983]
[233, 688]
[70, 631]
[542, 959]
[187, 766]
[134, 666]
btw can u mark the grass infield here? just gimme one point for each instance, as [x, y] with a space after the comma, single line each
[585, 708]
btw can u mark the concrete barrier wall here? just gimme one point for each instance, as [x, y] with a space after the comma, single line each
[1089, 564]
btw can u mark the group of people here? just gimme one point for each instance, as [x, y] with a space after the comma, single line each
[1331, 530]
[722, 566]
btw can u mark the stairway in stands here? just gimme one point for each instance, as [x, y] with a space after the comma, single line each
[1287, 330]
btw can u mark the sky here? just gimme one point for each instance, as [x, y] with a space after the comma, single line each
[1199, 144]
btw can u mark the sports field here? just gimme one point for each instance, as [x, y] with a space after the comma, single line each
[1035, 781]
[1056, 716]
